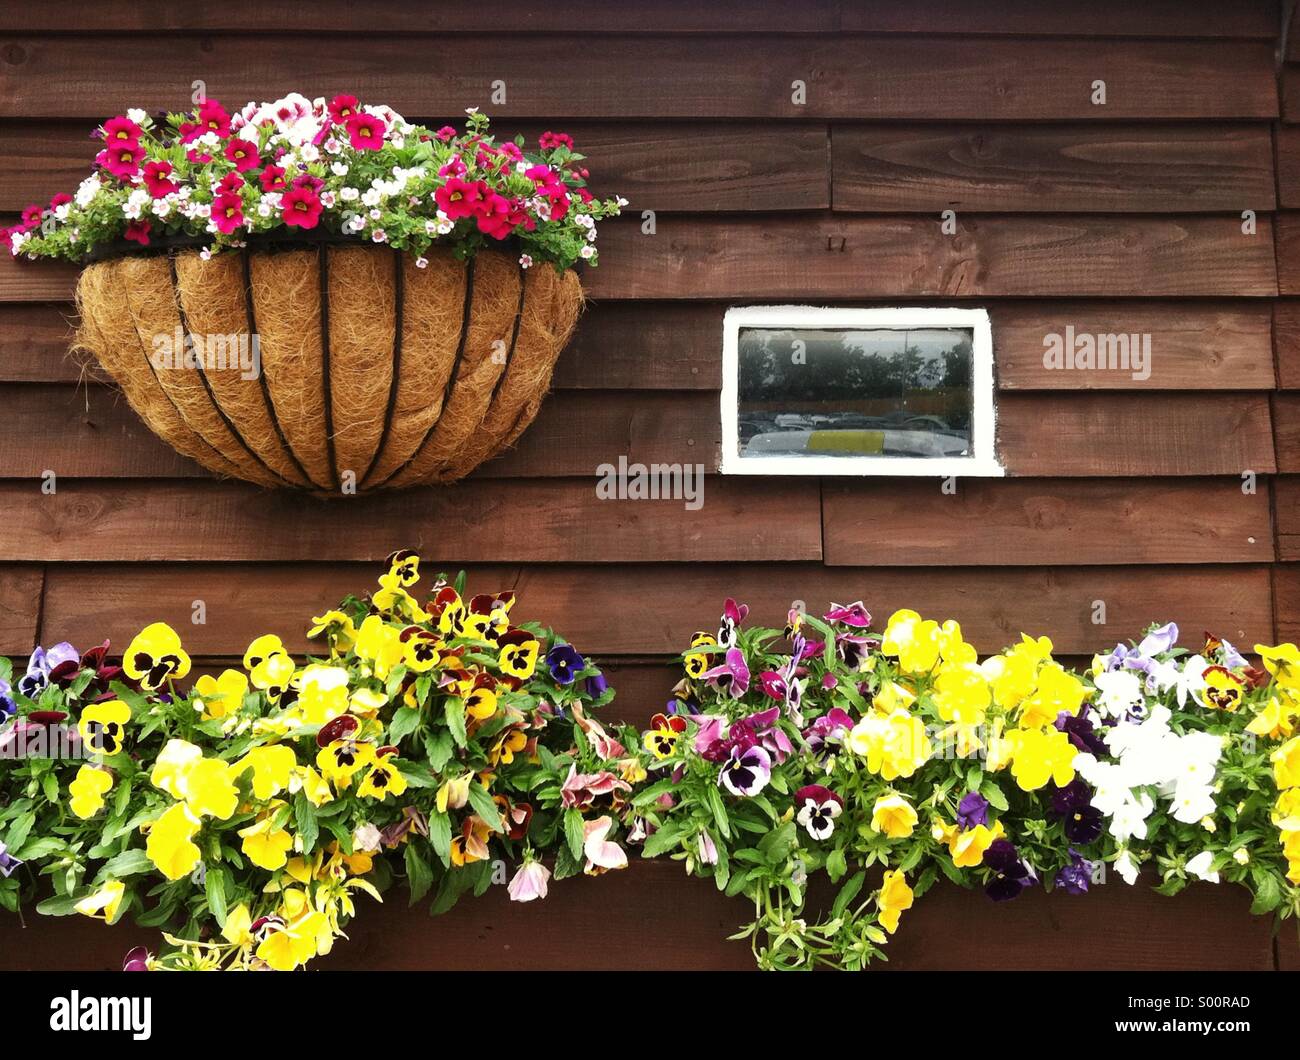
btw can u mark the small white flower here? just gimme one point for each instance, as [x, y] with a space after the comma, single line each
[206, 253]
[1199, 867]
[366, 838]
[137, 115]
[334, 147]
[587, 252]
[445, 227]
[349, 194]
[161, 208]
[328, 199]
[309, 153]
[371, 196]
[378, 236]
[1126, 867]
[525, 261]
[375, 215]
[421, 263]
[264, 209]
[339, 169]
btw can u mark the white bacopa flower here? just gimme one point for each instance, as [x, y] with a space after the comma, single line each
[376, 214]
[87, 190]
[206, 253]
[61, 211]
[445, 227]
[421, 263]
[587, 252]
[378, 235]
[309, 153]
[525, 261]
[161, 208]
[333, 147]
[264, 209]
[339, 169]
[371, 196]
[328, 199]
[349, 194]
[137, 115]
[1199, 867]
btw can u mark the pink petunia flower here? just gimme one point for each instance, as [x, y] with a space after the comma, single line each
[121, 130]
[446, 133]
[529, 882]
[342, 107]
[458, 198]
[366, 132]
[138, 232]
[228, 212]
[156, 179]
[273, 179]
[302, 207]
[122, 160]
[551, 140]
[243, 154]
[212, 117]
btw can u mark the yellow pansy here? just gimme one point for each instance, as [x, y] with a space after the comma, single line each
[103, 726]
[88, 789]
[1058, 691]
[384, 779]
[237, 928]
[894, 897]
[893, 815]
[1286, 764]
[267, 646]
[404, 565]
[962, 693]
[392, 599]
[272, 766]
[155, 656]
[507, 745]
[220, 696]
[1000, 748]
[914, 641]
[893, 696]
[312, 784]
[171, 765]
[210, 789]
[264, 845]
[952, 648]
[481, 702]
[967, 846]
[170, 844]
[339, 629]
[1286, 811]
[454, 793]
[422, 650]
[1283, 662]
[696, 663]
[322, 693]
[273, 675]
[366, 702]
[1275, 720]
[894, 745]
[1040, 755]
[104, 903]
[290, 945]
[339, 760]
[1223, 689]
[380, 645]
[518, 650]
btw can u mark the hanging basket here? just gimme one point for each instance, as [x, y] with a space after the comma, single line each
[332, 368]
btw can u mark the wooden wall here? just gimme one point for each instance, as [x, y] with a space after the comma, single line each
[1124, 217]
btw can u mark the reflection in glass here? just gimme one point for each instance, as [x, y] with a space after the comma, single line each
[862, 392]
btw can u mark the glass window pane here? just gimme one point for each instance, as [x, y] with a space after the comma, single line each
[854, 392]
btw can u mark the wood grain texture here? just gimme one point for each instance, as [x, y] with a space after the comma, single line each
[1203, 345]
[1135, 434]
[1286, 420]
[1114, 927]
[659, 76]
[1287, 138]
[662, 166]
[1286, 343]
[1287, 225]
[1256, 19]
[1044, 168]
[496, 521]
[652, 608]
[92, 433]
[1286, 503]
[845, 257]
[20, 606]
[1286, 590]
[1021, 522]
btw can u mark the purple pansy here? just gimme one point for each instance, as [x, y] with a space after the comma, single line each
[746, 770]
[565, 663]
[1073, 803]
[1079, 729]
[762, 729]
[8, 863]
[854, 614]
[828, 729]
[1011, 874]
[1075, 877]
[37, 676]
[854, 649]
[733, 614]
[816, 808]
[136, 960]
[732, 676]
[1159, 640]
[972, 811]
[596, 686]
[8, 708]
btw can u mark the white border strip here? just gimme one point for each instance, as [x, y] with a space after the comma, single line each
[982, 463]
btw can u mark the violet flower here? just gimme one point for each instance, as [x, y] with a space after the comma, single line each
[1010, 873]
[596, 686]
[816, 809]
[1073, 803]
[1082, 734]
[854, 614]
[1075, 877]
[761, 728]
[972, 811]
[8, 708]
[829, 729]
[565, 663]
[733, 614]
[8, 863]
[732, 676]
[746, 770]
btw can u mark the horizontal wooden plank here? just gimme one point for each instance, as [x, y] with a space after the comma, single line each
[1288, 166]
[92, 433]
[1286, 420]
[1287, 225]
[1210, 345]
[1023, 522]
[1135, 434]
[481, 521]
[20, 607]
[669, 167]
[1114, 927]
[1286, 589]
[1045, 168]
[1286, 503]
[515, 16]
[819, 257]
[651, 76]
[653, 608]
[1104, 18]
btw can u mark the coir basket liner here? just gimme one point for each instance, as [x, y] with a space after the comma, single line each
[374, 373]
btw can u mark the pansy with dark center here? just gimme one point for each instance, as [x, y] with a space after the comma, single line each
[746, 770]
[732, 676]
[816, 808]
[565, 663]
[1081, 731]
[1075, 877]
[1073, 804]
[1010, 873]
[733, 614]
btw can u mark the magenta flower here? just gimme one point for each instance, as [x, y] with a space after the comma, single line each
[854, 614]
[732, 676]
[816, 808]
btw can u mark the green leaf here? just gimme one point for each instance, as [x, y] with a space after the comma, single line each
[990, 790]
[573, 832]
[664, 839]
[305, 818]
[487, 810]
[1268, 892]
[215, 884]
[17, 835]
[438, 749]
[419, 875]
[404, 722]
[50, 787]
[847, 893]
[836, 865]
[454, 711]
[128, 863]
[719, 810]
[59, 905]
[440, 835]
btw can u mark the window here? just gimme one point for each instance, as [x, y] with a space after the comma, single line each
[809, 391]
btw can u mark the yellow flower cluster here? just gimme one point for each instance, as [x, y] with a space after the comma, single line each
[1278, 721]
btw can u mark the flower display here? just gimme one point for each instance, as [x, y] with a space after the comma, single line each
[336, 166]
[427, 744]
[907, 759]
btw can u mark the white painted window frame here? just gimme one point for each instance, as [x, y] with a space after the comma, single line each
[983, 462]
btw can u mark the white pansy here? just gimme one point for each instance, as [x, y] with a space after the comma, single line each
[1199, 867]
[1186, 680]
[1126, 867]
[1191, 802]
